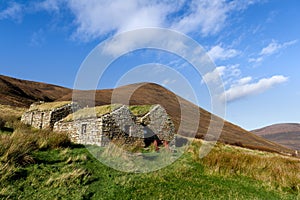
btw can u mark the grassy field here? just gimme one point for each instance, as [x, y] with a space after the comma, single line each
[37, 164]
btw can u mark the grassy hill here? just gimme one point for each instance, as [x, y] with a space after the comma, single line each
[38, 164]
[286, 134]
[150, 93]
[22, 93]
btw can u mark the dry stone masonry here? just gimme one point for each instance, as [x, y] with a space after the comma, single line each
[117, 125]
[43, 115]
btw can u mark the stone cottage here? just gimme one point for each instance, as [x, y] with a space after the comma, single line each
[43, 115]
[128, 124]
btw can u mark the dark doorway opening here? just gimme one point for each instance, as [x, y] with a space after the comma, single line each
[150, 137]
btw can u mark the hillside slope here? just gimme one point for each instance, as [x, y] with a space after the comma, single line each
[22, 93]
[150, 93]
[286, 134]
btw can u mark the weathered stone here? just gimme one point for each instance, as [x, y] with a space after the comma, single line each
[44, 119]
[119, 125]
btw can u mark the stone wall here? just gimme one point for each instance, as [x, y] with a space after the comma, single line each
[119, 126]
[62, 112]
[84, 131]
[46, 119]
[159, 122]
[37, 119]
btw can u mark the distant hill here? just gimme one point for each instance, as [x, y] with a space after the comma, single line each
[22, 93]
[287, 134]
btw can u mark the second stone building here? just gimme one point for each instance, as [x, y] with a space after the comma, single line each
[141, 125]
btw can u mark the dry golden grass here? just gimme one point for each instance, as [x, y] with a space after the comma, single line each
[273, 169]
[7, 111]
[58, 180]
[16, 149]
[49, 106]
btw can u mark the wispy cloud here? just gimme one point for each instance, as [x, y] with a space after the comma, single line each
[272, 48]
[96, 19]
[228, 73]
[99, 18]
[219, 53]
[13, 11]
[214, 75]
[245, 87]
[37, 38]
[240, 87]
[206, 16]
[49, 5]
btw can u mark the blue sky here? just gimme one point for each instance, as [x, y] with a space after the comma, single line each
[254, 44]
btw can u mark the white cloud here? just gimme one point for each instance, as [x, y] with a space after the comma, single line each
[272, 48]
[244, 87]
[214, 76]
[219, 53]
[37, 38]
[256, 60]
[49, 5]
[207, 16]
[96, 18]
[244, 81]
[13, 11]
[227, 73]
[99, 18]
[169, 81]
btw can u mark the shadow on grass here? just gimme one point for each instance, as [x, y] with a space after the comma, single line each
[7, 130]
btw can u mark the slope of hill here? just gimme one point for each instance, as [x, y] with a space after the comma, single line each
[150, 93]
[22, 93]
[286, 134]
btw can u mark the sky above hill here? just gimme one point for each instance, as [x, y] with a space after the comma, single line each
[254, 44]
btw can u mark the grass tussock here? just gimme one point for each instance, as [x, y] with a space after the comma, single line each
[278, 171]
[16, 149]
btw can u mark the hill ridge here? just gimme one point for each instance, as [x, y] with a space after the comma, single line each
[144, 94]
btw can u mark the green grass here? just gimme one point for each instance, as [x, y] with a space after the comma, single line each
[37, 164]
[73, 173]
[140, 110]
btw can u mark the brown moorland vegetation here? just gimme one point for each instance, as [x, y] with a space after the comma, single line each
[23, 93]
[286, 134]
